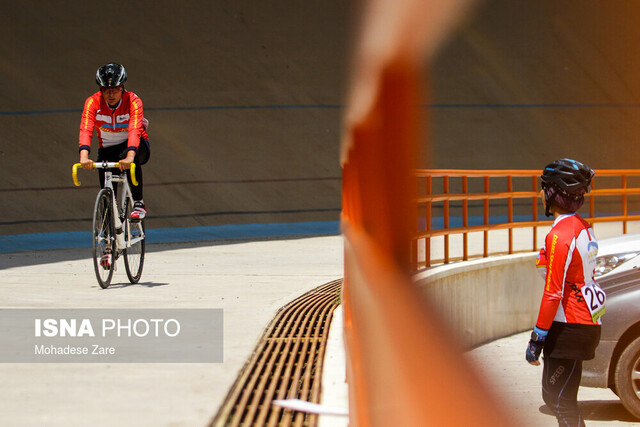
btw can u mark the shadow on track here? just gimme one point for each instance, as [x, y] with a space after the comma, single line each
[142, 284]
[600, 410]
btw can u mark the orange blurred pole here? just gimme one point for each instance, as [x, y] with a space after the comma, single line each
[403, 366]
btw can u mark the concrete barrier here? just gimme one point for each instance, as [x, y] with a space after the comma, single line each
[485, 299]
[490, 298]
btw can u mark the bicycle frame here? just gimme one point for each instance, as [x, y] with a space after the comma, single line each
[122, 241]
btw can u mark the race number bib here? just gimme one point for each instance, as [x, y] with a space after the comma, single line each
[595, 299]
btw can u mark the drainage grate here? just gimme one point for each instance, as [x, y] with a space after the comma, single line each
[286, 364]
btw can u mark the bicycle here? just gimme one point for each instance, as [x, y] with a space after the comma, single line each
[114, 232]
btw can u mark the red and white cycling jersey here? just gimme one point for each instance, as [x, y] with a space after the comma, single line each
[114, 126]
[567, 261]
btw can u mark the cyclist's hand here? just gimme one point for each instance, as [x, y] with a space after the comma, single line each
[126, 162]
[85, 161]
[534, 348]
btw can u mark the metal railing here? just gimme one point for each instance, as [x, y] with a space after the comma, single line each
[516, 200]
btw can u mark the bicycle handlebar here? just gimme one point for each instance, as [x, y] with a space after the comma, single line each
[103, 165]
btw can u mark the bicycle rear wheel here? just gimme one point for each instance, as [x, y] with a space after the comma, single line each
[104, 238]
[134, 254]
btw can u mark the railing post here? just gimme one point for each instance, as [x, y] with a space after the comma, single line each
[510, 211]
[427, 241]
[465, 220]
[415, 243]
[535, 213]
[486, 216]
[445, 190]
[625, 211]
[592, 201]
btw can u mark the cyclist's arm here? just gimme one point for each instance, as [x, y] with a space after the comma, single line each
[85, 161]
[126, 162]
[87, 124]
[557, 258]
[136, 123]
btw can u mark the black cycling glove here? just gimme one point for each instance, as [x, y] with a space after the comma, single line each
[534, 348]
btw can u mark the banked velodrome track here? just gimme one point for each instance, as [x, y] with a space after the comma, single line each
[245, 101]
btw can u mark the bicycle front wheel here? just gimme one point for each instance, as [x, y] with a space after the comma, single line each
[104, 238]
[134, 253]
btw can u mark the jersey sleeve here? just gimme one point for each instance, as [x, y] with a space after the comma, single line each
[541, 263]
[136, 122]
[87, 123]
[556, 259]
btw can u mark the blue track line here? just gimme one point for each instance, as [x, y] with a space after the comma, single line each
[82, 239]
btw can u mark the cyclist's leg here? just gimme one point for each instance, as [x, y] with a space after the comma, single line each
[144, 152]
[136, 190]
[142, 157]
[560, 382]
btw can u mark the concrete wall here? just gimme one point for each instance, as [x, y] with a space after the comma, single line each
[485, 299]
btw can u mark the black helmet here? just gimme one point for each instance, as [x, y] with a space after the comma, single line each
[111, 75]
[569, 175]
[565, 183]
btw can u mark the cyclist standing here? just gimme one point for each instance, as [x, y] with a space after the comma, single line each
[117, 116]
[568, 325]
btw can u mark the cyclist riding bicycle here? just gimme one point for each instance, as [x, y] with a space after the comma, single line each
[117, 116]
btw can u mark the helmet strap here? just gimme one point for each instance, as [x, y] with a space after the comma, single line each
[547, 204]
[547, 200]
